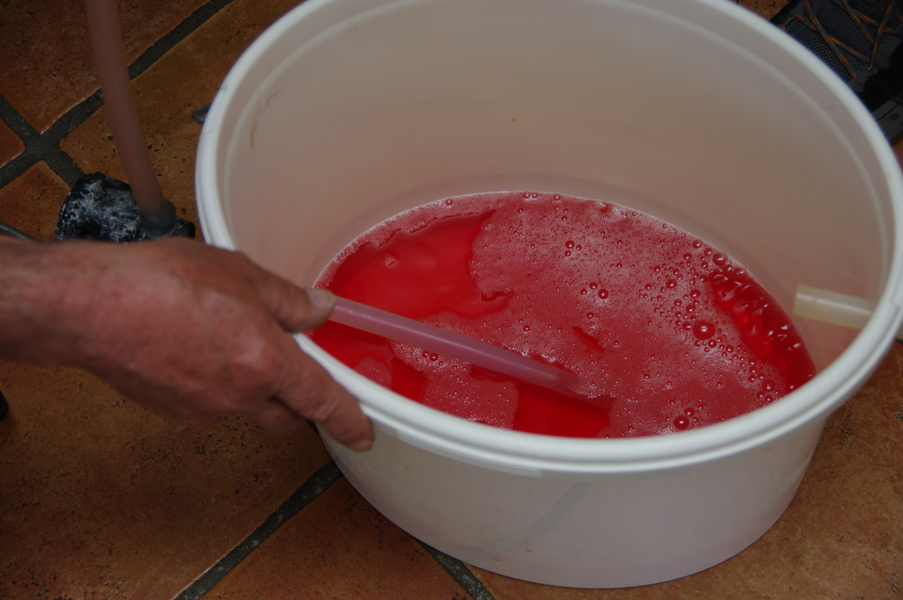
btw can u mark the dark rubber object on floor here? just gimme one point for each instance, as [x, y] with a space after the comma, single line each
[862, 42]
[4, 406]
[99, 207]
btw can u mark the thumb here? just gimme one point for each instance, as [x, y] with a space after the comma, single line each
[296, 309]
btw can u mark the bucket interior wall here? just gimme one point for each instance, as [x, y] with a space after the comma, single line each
[344, 125]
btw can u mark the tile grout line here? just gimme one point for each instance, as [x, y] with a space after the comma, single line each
[318, 483]
[460, 573]
[38, 147]
[166, 43]
[46, 146]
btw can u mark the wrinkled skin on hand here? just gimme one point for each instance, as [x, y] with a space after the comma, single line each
[188, 330]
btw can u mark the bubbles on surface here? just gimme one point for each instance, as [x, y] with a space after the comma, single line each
[703, 330]
[596, 292]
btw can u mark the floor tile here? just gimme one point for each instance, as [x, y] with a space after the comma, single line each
[841, 538]
[765, 8]
[898, 150]
[11, 145]
[167, 95]
[339, 547]
[46, 66]
[100, 498]
[32, 202]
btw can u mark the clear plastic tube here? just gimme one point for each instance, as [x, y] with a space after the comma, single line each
[453, 345]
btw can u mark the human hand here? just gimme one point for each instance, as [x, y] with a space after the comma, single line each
[190, 331]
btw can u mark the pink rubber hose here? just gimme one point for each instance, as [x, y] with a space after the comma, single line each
[157, 213]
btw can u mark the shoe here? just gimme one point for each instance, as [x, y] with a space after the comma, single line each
[861, 41]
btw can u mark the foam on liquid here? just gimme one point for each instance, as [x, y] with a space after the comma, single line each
[675, 333]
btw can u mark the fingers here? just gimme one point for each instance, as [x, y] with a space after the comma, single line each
[310, 391]
[295, 309]
[342, 418]
[276, 416]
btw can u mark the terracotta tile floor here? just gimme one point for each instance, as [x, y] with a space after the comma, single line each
[100, 499]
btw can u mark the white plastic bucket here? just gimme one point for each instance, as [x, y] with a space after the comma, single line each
[346, 112]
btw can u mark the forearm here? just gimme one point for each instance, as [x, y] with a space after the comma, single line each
[45, 294]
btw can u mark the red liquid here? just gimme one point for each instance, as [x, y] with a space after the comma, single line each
[674, 333]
